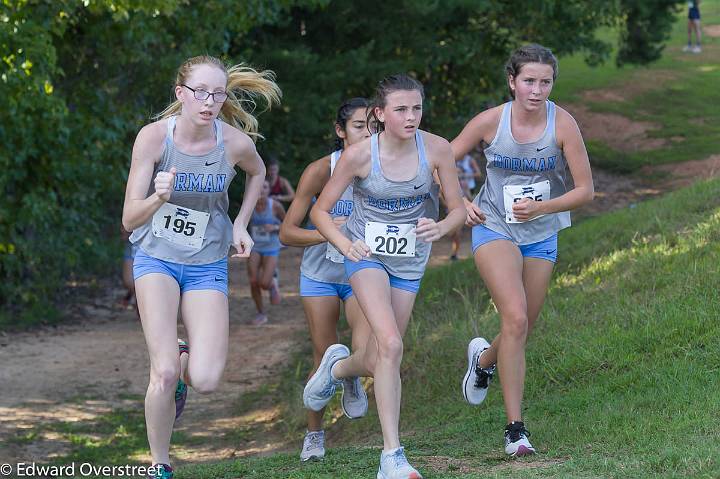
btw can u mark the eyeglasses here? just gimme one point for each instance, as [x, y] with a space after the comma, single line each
[202, 95]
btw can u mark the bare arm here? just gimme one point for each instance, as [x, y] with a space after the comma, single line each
[573, 146]
[570, 140]
[138, 208]
[355, 162]
[311, 184]
[241, 152]
[483, 127]
[444, 164]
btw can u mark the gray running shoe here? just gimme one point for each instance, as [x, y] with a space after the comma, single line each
[354, 400]
[321, 386]
[396, 466]
[313, 446]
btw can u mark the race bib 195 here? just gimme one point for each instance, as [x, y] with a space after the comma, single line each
[179, 225]
[390, 239]
[514, 193]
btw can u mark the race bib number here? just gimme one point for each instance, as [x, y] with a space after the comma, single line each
[258, 233]
[179, 225]
[514, 193]
[390, 240]
[333, 254]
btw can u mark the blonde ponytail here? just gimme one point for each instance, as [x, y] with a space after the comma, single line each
[244, 86]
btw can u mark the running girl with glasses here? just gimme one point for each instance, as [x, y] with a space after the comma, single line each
[176, 205]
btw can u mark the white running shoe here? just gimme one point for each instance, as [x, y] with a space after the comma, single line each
[313, 446]
[354, 399]
[696, 49]
[394, 465]
[516, 440]
[477, 380]
[687, 48]
[321, 386]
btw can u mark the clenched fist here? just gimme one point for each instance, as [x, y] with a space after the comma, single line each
[357, 251]
[164, 183]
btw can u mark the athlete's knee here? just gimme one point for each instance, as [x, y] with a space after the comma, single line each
[164, 378]
[515, 325]
[206, 382]
[265, 284]
[390, 347]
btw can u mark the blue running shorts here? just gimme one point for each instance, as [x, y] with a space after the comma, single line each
[411, 285]
[188, 276]
[310, 287]
[545, 249]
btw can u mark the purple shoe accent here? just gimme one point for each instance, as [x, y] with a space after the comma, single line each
[524, 451]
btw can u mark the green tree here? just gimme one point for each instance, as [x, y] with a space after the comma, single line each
[456, 48]
[78, 78]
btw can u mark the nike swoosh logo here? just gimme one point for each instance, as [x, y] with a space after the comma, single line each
[210, 164]
[416, 187]
[218, 278]
[541, 149]
[550, 252]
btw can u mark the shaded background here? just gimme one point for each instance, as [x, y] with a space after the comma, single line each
[79, 78]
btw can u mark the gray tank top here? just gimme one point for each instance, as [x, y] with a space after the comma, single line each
[402, 202]
[201, 184]
[517, 170]
[315, 265]
[264, 240]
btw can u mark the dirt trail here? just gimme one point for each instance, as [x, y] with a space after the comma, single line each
[97, 363]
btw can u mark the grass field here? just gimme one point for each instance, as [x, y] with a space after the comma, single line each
[623, 365]
[673, 94]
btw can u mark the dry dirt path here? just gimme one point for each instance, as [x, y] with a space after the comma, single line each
[97, 363]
